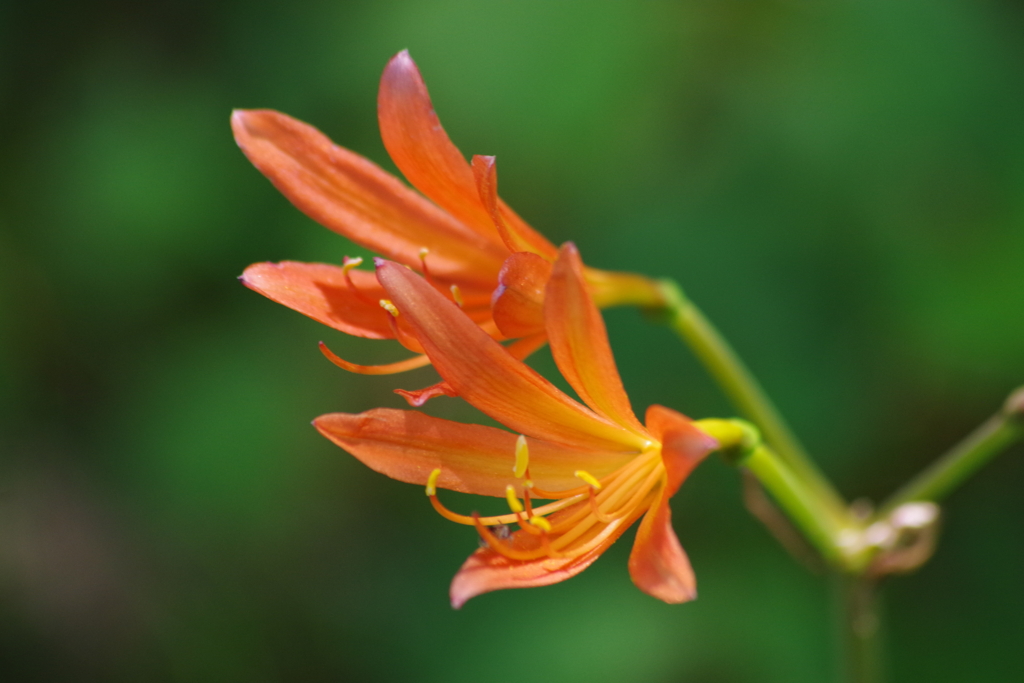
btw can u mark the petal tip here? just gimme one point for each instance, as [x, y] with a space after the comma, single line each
[687, 596]
[570, 248]
[462, 590]
[402, 62]
[240, 120]
[251, 276]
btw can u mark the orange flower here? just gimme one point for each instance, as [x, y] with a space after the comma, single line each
[467, 242]
[599, 465]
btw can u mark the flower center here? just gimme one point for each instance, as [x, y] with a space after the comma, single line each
[578, 521]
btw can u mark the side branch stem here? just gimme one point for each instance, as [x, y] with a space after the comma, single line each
[746, 393]
[994, 436]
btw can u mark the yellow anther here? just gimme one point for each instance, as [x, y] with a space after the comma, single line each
[540, 523]
[423, 253]
[588, 478]
[350, 263]
[522, 457]
[528, 483]
[432, 482]
[457, 295]
[389, 307]
[513, 501]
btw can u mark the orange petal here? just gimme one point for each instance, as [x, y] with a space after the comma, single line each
[520, 349]
[683, 444]
[407, 446]
[485, 374]
[352, 196]
[518, 303]
[658, 564]
[324, 293]
[417, 397]
[487, 570]
[579, 341]
[516, 235]
[422, 150]
[429, 160]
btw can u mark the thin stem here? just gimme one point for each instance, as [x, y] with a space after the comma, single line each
[801, 502]
[994, 436]
[745, 392]
[860, 630]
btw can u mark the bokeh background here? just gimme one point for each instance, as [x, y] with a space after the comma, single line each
[840, 185]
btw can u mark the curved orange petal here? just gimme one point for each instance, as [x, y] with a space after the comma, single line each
[427, 157]
[324, 293]
[520, 349]
[418, 397]
[658, 564]
[516, 235]
[352, 196]
[486, 375]
[407, 446]
[579, 341]
[487, 570]
[518, 302]
[660, 419]
[422, 150]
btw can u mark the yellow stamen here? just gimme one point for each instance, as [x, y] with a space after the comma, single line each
[432, 482]
[499, 547]
[596, 510]
[640, 493]
[349, 263]
[495, 520]
[522, 457]
[423, 253]
[457, 295]
[513, 502]
[588, 478]
[553, 495]
[389, 307]
[620, 485]
[540, 523]
[560, 495]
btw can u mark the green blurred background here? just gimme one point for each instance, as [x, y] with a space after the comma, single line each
[839, 184]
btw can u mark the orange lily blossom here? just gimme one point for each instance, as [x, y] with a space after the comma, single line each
[467, 242]
[599, 465]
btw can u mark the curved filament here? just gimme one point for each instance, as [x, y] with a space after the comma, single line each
[386, 369]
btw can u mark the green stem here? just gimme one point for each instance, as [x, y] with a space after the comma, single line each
[801, 502]
[746, 393]
[860, 630]
[994, 436]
